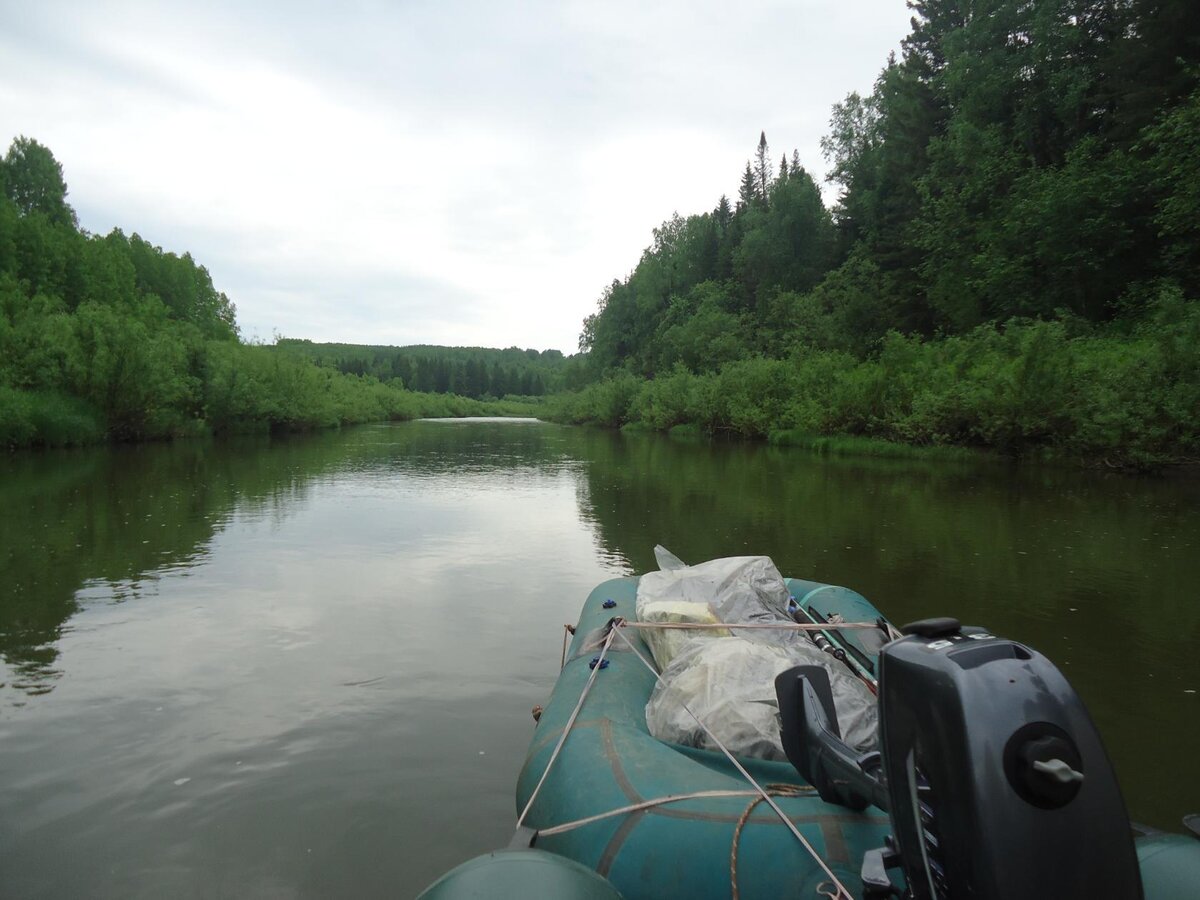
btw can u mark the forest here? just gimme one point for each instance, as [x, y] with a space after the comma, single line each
[474, 372]
[1011, 263]
[113, 338]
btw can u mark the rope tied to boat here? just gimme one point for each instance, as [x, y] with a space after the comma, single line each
[814, 629]
[562, 738]
[568, 630]
[775, 790]
[615, 629]
[651, 804]
[730, 626]
[764, 795]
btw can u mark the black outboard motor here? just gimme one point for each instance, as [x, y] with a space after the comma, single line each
[993, 774]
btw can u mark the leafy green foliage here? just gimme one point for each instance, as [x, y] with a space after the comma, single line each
[114, 338]
[1027, 387]
[1012, 262]
[701, 294]
[1173, 148]
[33, 180]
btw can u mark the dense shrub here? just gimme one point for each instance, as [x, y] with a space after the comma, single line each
[1116, 393]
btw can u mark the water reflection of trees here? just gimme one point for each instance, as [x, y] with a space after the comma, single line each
[101, 524]
[987, 542]
[916, 537]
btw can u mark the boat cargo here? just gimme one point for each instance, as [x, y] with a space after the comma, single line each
[971, 769]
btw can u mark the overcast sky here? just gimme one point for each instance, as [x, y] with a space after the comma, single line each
[423, 172]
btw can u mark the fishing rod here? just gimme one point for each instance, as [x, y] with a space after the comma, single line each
[832, 643]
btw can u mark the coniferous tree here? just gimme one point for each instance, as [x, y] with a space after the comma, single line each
[723, 220]
[933, 22]
[762, 168]
[747, 190]
[723, 214]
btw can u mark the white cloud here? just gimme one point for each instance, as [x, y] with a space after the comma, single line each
[460, 173]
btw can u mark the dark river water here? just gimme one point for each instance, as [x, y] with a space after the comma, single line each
[304, 667]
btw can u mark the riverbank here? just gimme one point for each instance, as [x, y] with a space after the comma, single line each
[1121, 396]
[46, 419]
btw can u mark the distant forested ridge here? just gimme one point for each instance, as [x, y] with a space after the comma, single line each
[1013, 260]
[475, 372]
[113, 338]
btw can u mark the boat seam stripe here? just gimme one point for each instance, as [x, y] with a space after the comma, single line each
[618, 840]
[614, 760]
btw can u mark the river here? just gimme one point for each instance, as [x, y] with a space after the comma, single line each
[304, 666]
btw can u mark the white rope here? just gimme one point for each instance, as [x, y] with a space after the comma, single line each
[784, 626]
[635, 807]
[570, 723]
[849, 660]
[737, 765]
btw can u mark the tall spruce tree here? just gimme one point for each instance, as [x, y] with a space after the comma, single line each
[723, 214]
[763, 170]
[747, 190]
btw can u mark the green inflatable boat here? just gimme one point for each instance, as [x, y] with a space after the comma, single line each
[988, 780]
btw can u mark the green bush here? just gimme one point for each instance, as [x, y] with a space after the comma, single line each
[605, 403]
[667, 401]
[1124, 395]
[61, 421]
[16, 423]
[47, 419]
[755, 395]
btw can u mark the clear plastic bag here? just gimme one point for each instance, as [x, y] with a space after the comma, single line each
[739, 588]
[729, 681]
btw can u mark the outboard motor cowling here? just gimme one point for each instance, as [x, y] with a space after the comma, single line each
[998, 783]
[994, 776]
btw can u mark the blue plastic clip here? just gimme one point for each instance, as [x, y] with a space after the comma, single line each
[609, 604]
[596, 659]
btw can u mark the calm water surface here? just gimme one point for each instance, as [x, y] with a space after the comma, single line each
[304, 667]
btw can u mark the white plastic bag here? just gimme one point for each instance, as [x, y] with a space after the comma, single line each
[729, 683]
[739, 588]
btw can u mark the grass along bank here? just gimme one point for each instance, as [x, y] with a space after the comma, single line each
[1124, 394]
